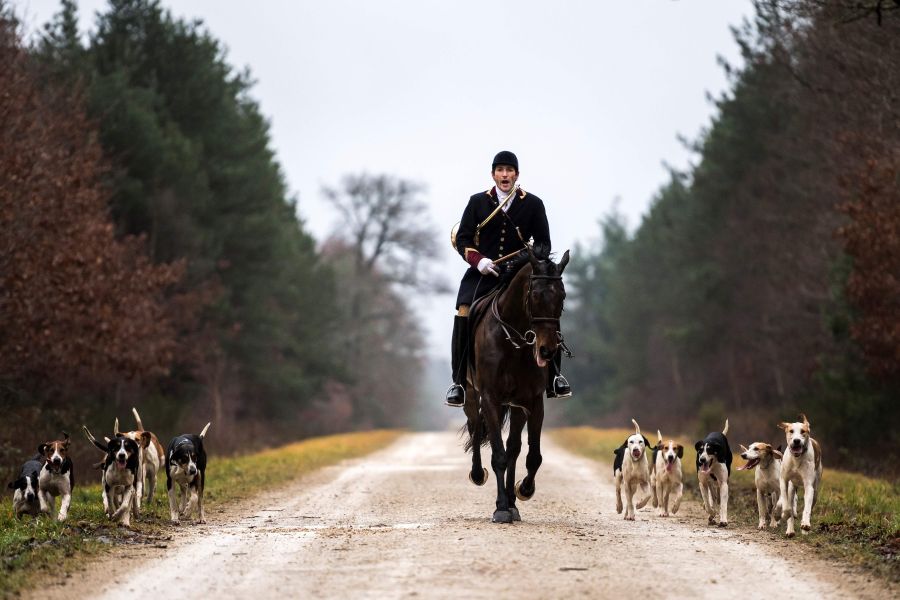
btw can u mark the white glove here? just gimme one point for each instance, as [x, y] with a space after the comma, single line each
[486, 265]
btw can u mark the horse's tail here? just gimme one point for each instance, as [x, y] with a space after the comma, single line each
[469, 430]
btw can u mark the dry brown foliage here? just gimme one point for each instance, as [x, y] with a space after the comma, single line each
[78, 307]
[872, 238]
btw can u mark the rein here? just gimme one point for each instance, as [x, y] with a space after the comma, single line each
[530, 336]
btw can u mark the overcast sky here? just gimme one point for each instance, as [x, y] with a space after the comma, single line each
[591, 96]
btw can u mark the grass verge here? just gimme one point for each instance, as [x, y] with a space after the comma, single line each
[32, 547]
[857, 518]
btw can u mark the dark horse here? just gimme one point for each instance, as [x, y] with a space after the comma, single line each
[511, 372]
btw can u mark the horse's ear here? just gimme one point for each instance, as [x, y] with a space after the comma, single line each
[562, 263]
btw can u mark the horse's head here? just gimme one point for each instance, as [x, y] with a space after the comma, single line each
[544, 305]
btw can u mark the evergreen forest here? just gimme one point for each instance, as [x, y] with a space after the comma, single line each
[764, 281]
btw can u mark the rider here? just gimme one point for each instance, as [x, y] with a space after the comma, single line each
[485, 234]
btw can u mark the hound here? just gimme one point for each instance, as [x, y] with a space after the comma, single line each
[152, 457]
[802, 467]
[713, 471]
[120, 475]
[633, 472]
[666, 478]
[25, 496]
[186, 468]
[56, 478]
[767, 479]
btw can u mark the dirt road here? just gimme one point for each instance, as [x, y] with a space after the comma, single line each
[405, 522]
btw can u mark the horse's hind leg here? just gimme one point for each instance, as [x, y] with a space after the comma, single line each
[513, 447]
[525, 489]
[499, 461]
[478, 475]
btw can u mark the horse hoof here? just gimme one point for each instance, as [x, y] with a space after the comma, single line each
[521, 495]
[484, 477]
[502, 516]
[515, 513]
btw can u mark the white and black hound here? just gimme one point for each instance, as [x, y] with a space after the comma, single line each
[633, 472]
[802, 467]
[120, 475]
[57, 477]
[25, 496]
[152, 456]
[713, 471]
[186, 469]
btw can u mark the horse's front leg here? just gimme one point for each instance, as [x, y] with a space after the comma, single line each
[499, 461]
[513, 448]
[525, 489]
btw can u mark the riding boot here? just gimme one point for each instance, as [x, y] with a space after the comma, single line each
[456, 395]
[557, 385]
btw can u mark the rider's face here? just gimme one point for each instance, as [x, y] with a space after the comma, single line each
[505, 177]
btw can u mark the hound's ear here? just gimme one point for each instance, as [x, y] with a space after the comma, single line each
[42, 449]
[561, 266]
[698, 445]
[744, 448]
[679, 451]
[778, 453]
[145, 439]
[784, 426]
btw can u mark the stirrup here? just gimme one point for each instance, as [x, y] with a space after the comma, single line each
[559, 382]
[461, 402]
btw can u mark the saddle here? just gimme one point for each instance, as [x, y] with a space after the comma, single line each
[477, 311]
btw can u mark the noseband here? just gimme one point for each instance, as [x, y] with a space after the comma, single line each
[530, 337]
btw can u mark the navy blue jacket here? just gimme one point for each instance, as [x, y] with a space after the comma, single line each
[526, 216]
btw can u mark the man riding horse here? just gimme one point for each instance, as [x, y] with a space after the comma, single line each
[492, 237]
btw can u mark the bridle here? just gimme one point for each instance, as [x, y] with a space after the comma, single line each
[530, 337]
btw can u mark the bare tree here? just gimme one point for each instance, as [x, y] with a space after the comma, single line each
[382, 250]
[388, 228]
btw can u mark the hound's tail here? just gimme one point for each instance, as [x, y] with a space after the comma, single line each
[137, 418]
[90, 437]
[725, 431]
[116, 427]
[203, 433]
[637, 428]
[658, 435]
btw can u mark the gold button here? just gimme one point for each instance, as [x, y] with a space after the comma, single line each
[501, 238]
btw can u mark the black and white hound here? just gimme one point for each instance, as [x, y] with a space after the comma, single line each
[713, 471]
[186, 469]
